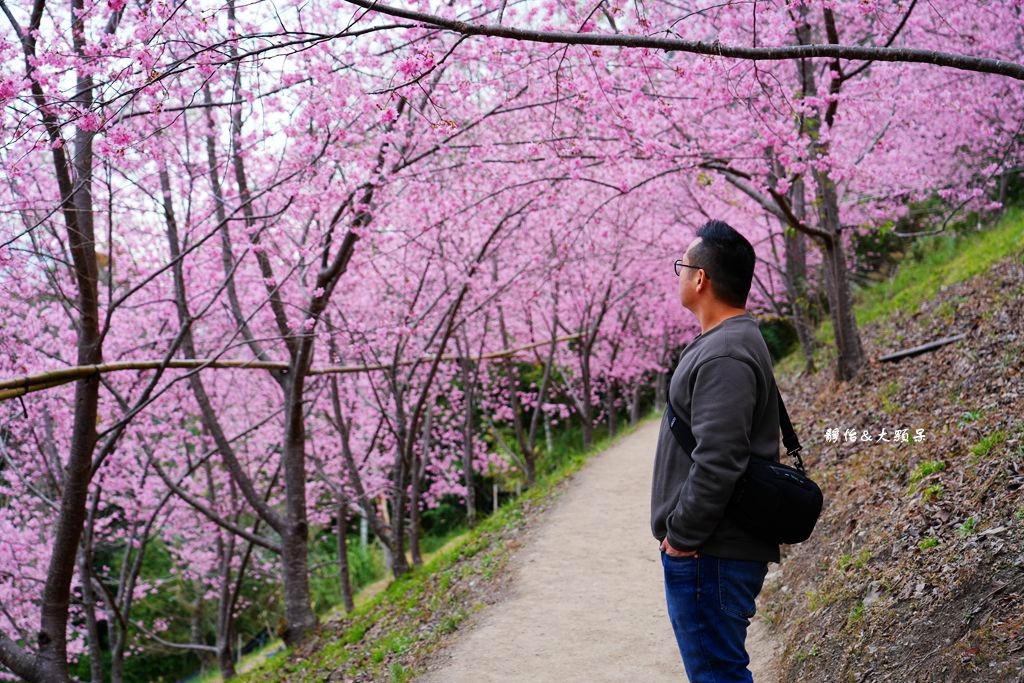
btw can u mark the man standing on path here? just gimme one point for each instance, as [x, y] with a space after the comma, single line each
[723, 390]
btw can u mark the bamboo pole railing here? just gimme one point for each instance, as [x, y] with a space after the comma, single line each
[26, 384]
[923, 348]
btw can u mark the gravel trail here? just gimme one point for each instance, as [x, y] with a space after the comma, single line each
[586, 598]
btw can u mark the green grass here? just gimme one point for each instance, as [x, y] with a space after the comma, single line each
[431, 544]
[946, 260]
[856, 614]
[247, 663]
[800, 657]
[450, 623]
[985, 446]
[890, 391]
[847, 561]
[822, 597]
[967, 417]
[932, 493]
[969, 526]
[924, 469]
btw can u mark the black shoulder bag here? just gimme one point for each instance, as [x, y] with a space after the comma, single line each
[773, 501]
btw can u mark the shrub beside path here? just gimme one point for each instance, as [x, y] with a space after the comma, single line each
[586, 598]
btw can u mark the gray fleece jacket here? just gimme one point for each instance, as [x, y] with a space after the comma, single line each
[724, 390]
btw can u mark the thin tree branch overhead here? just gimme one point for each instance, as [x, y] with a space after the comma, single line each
[1000, 67]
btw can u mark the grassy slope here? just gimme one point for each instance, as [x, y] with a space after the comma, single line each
[388, 636]
[916, 571]
[946, 260]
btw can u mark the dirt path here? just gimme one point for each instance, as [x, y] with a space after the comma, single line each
[587, 599]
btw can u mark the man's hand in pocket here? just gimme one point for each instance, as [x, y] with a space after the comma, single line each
[669, 550]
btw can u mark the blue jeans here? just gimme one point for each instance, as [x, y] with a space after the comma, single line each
[710, 603]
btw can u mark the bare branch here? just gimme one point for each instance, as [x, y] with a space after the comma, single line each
[16, 659]
[214, 517]
[25, 384]
[832, 51]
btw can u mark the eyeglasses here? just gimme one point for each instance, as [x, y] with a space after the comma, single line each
[679, 265]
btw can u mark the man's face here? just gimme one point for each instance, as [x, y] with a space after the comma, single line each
[688, 279]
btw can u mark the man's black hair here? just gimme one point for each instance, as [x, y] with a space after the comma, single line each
[728, 258]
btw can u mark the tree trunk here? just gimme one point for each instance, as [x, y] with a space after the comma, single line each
[195, 629]
[226, 551]
[661, 378]
[850, 358]
[586, 408]
[850, 354]
[119, 645]
[226, 660]
[525, 439]
[89, 607]
[634, 405]
[225, 633]
[414, 513]
[295, 565]
[52, 656]
[295, 538]
[588, 432]
[399, 563]
[661, 390]
[797, 286]
[375, 512]
[468, 477]
[344, 577]
[530, 443]
[530, 469]
[613, 425]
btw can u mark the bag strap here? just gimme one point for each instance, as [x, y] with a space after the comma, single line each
[789, 439]
[685, 437]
